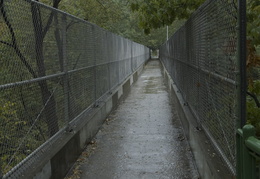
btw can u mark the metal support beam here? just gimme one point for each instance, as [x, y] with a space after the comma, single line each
[242, 60]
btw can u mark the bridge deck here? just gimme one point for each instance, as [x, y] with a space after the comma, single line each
[142, 138]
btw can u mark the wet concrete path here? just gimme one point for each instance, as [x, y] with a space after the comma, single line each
[142, 138]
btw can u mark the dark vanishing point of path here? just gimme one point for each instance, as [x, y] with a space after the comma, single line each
[142, 138]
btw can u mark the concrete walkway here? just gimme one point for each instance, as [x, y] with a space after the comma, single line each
[142, 138]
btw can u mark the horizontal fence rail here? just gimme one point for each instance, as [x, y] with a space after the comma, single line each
[201, 58]
[53, 66]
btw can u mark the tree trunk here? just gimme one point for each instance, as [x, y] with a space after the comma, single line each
[48, 99]
[50, 109]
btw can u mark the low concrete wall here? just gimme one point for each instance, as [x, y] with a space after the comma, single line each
[208, 161]
[56, 159]
[66, 157]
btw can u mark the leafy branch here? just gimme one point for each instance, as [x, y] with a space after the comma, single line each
[254, 98]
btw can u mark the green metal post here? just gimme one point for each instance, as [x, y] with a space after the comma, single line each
[239, 154]
[247, 159]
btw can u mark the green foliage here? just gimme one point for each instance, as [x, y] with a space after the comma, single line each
[116, 16]
[253, 21]
[20, 105]
[253, 62]
[104, 13]
[253, 111]
[154, 14]
[255, 88]
[8, 131]
[253, 115]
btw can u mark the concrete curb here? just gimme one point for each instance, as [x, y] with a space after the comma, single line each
[208, 161]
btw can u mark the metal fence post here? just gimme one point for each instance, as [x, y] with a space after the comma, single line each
[242, 61]
[94, 32]
[248, 161]
[108, 56]
[65, 70]
[243, 163]
[118, 61]
[132, 57]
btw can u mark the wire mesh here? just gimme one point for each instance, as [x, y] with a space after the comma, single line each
[53, 66]
[201, 57]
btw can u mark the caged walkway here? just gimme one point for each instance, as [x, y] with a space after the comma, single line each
[60, 76]
[142, 138]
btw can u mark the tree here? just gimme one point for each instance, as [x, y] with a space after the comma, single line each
[154, 14]
[40, 31]
[253, 22]
[23, 49]
[253, 63]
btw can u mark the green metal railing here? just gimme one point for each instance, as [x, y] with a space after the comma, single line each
[248, 153]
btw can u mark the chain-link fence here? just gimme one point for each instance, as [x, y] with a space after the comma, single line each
[53, 66]
[201, 58]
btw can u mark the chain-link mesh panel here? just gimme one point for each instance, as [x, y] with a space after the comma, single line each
[201, 57]
[53, 66]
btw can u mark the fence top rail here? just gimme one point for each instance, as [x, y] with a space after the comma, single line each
[251, 141]
[77, 18]
[253, 144]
